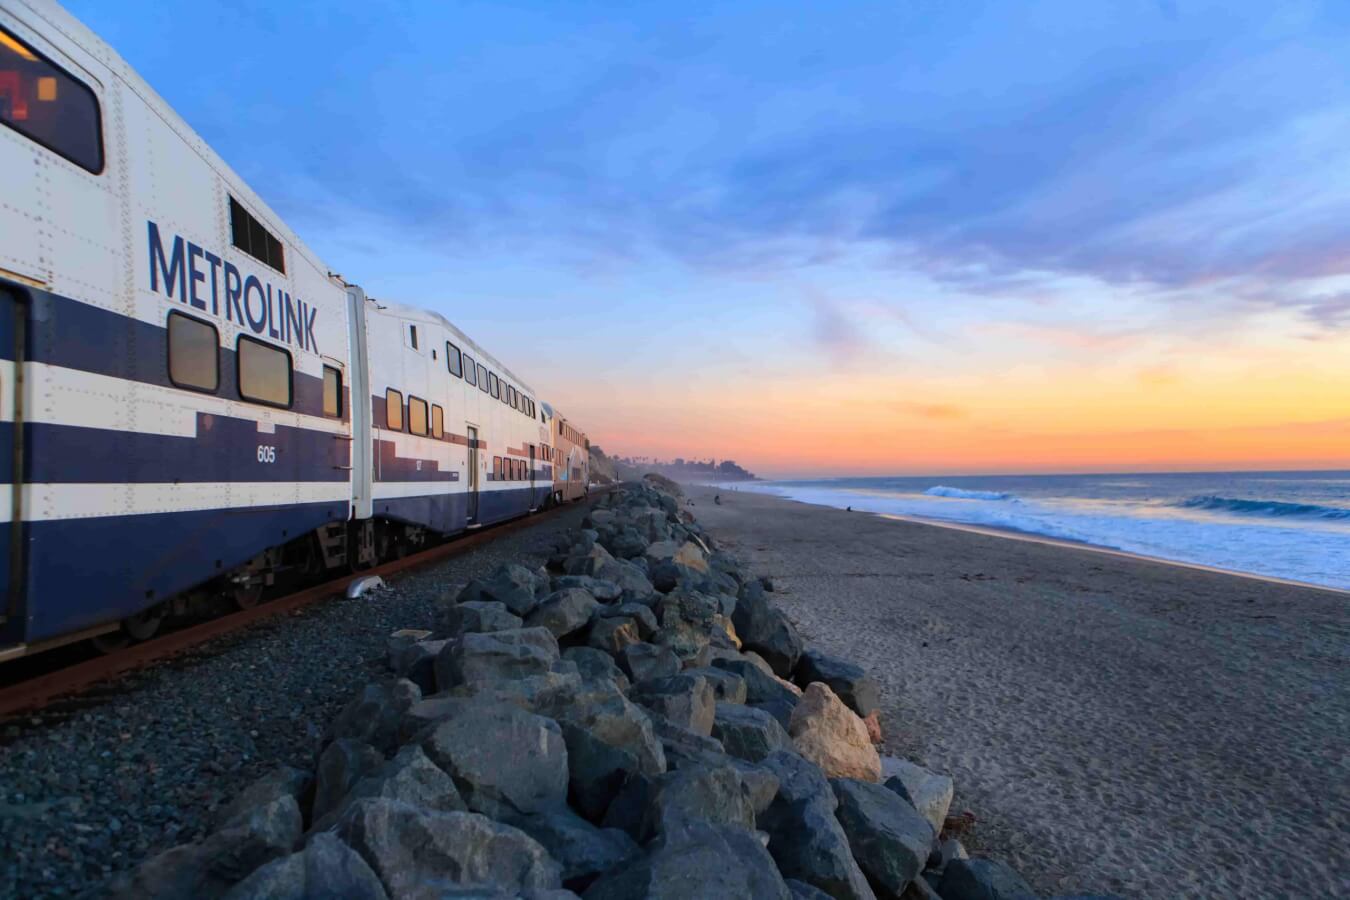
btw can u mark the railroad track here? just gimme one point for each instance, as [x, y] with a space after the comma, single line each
[41, 690]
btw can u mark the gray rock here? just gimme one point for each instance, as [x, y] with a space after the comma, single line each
[760, 686]
[418, 853]
[206, 870]
[630, 578]
[417, 663]
[685, 700]
[627, 544]
[849, 682]
[641, 615]
[612, 635]
[643, 662]
[982, 879]
[496, 655]
[766, 630]
[927, 791]
[597, 771]
[373, 715]
[594, 663]
[803, 891]
[476, 617]
[325, 868]
[604, 591]
[687, 619]
[519, 588]
[503, 760]
[564, 612]
[697, 860]
[410, 777]
[761, 784]
[584, 851]
[684, 746]
[781, 711]
[342, 763]
[283, 781]
[805, 838]
[748, 733]
[728, 687]
[890, 840]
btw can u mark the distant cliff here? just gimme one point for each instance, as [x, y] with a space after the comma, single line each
[626, 468]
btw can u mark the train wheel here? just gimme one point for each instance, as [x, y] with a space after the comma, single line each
[247, 597]
[143, 626]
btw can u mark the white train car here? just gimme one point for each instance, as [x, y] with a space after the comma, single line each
[191, 403]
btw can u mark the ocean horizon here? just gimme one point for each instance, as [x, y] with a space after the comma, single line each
[1288, 525]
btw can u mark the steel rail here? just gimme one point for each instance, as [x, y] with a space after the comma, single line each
[37, 692]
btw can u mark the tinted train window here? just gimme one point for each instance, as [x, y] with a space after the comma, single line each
[194, 353]
[332, 391]
[393, 410]
[469, 370]
[482, 378]
[264, 372]
[437, 422]
[453, 362]
[249, 235]
[45, 104]
[496, 468]
[417, 415]
[496, 386]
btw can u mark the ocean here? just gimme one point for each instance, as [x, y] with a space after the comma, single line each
[1292, 525]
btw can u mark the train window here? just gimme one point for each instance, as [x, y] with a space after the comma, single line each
[412, 336]
[393, 410]
[453, 361]
[482, 378]
[264, 372]
[332, 391]
[469, 370]
[249, 235]
[417, 415]
[496, 468]
[495, 386]
[45, 104]
[194, 353]
[437, 422]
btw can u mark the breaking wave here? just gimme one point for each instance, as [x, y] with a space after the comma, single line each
[1264, 507]
[943, 491]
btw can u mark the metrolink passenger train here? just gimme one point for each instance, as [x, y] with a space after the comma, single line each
[192, 404]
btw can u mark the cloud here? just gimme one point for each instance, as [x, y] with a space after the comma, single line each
[835, 334]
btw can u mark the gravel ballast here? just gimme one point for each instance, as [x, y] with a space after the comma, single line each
[95, 785]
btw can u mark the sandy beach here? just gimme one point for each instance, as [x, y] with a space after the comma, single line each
[1116, 724]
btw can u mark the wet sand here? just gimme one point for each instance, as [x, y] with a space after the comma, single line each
[1115, 723]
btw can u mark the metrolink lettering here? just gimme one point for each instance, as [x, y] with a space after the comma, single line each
[198, 278]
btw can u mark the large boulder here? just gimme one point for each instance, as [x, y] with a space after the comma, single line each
[748, 733]
[612, 635]
[584, 851]
[207, 869]
[374, 714]
[410, 777]
[683, 746]
[496, 655]
[325, 868]
[712, 792]
[927, 791]
[832, 736]
[890, 840]
[342, 763]
[685, 700]
[518, 588]
[564, 612]
[728, 687]
[419, 853]
[608, 744]
[604, 591]
[687, 620]
[848, 681]
[476, 617]
[283, 781]
[593, 663]
[982, 879]
[416, 661]
[805, 838]
[766, 630]
[640, 613]
[631, 579]
[697, 859]
[760, 686]
[643, 662]
[504, 761]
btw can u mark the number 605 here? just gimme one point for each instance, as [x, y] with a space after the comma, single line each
[267, 454]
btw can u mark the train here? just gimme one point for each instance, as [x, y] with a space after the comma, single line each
[194, 408]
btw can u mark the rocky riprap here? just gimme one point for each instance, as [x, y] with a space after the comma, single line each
[637, 719]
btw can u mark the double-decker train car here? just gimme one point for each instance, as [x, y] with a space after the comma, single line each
[572, 460]
[192, 405]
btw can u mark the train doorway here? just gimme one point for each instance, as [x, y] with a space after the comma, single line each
[472, 433]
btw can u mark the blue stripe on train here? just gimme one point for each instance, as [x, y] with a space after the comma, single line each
[224, 450]
[84, 572]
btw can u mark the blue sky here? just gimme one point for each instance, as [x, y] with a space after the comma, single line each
[713, 197]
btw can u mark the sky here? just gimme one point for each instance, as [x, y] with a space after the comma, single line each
[912, 237]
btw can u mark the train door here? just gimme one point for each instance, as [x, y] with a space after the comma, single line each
[472, 433]
[13, 319]
[532, 500]
[363, 505]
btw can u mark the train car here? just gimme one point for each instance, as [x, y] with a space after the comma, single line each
[571, 459]
[192, 406]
